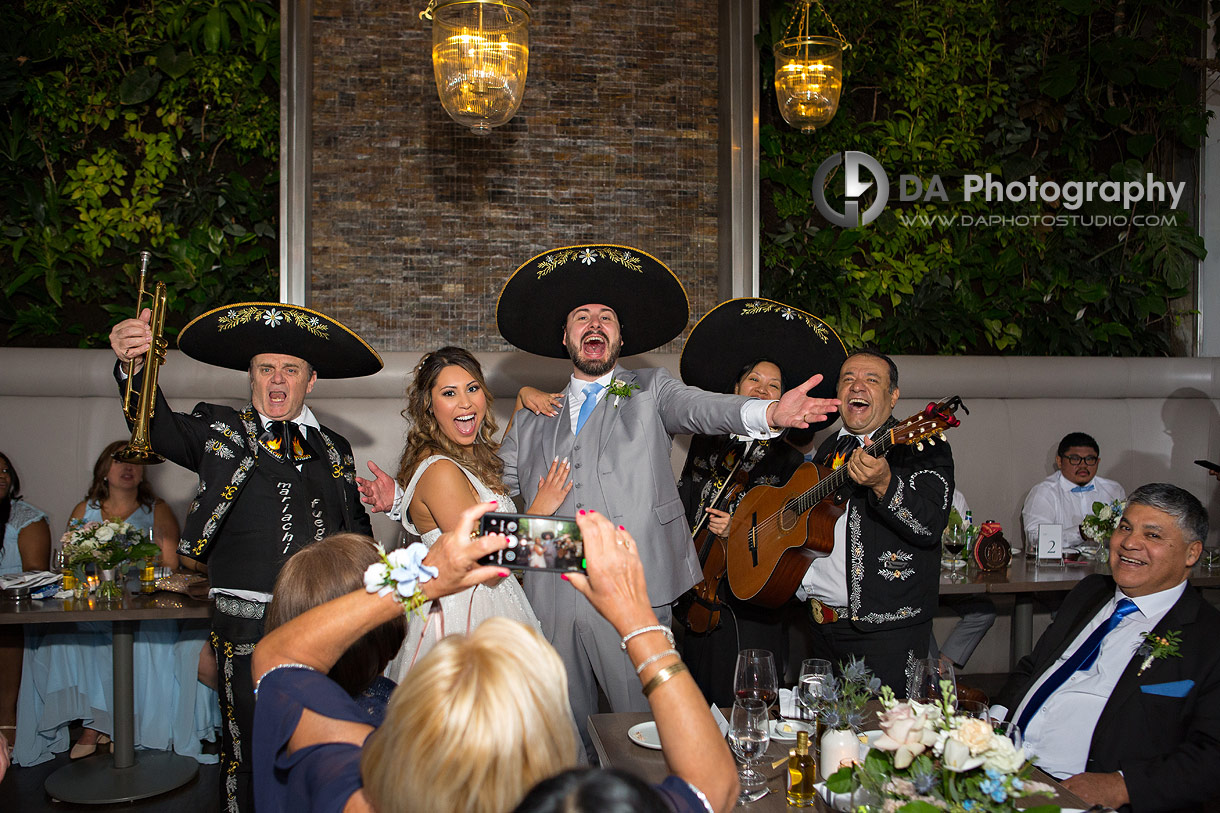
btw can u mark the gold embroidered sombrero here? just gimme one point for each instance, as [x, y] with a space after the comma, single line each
[741, 331]
[648, 298]
[232, 335]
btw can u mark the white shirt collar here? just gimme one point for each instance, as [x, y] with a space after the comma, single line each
[579, 384]
[306, 418]
[1154, 605]
[1068, 485]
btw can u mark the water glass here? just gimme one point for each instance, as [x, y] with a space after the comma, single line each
[755, 676]
[811, 687]
[749, 737]
[924, 683]
[975, 709]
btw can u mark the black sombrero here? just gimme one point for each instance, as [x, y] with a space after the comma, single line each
[232, 335]
[740, 331]
[536, 300]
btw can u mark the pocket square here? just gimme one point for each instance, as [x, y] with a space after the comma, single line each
[1178, 688]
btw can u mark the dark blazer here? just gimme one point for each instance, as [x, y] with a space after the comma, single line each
[220, 444]
[893, 543]
[1167, 747]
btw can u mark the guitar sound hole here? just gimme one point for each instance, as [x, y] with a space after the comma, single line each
[788, 517]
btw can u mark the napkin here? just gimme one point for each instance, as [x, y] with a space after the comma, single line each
[787, 703]
[718, 716]
[32, 579]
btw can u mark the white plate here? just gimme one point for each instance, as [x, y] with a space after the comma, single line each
[786, 730]
[645, 734]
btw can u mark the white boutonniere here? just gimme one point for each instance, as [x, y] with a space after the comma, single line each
[1159, 646]
[621, 389]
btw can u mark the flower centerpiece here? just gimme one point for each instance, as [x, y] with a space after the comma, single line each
[1100, 525]
[108, 546]
[928, 759]
[841, 711]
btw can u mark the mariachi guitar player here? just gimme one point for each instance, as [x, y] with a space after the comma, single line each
[757, 348]
[875, 595]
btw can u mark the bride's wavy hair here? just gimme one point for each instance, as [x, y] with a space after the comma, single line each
[424, 435]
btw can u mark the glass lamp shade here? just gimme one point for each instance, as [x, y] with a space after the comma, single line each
[808, 79]
[480, 54]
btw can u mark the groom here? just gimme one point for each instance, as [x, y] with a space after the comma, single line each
[616, 427]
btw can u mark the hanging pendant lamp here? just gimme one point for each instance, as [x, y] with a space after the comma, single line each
[809, 72]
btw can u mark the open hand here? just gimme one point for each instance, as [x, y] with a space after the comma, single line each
[552, 489]
[539, 402]
[796, 410]
[377, 493]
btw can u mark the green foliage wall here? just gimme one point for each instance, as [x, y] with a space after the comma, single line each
[149, 124]
[1067, 90]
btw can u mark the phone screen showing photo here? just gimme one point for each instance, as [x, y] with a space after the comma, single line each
[535, 543]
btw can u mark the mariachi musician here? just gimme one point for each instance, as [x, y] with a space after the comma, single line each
[756, 348]
[272, 479]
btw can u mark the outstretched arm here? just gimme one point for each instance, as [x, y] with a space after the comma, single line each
[796, 410]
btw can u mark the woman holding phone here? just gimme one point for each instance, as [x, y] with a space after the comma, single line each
[449, 464]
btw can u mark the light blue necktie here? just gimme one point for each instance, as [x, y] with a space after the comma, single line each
[1082, 489]
[590, 403]
[1082, 658]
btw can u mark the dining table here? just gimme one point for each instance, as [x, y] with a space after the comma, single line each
[616, 749]
[1025, 577]
[125, 774]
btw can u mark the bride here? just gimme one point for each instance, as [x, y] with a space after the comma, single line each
[448, 465]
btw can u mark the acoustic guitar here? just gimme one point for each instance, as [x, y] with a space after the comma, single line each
[776, 533]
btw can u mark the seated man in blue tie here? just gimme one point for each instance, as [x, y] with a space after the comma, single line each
[1067, 496]
[1120, 698]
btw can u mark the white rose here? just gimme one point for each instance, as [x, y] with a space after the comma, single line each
[956, 756]
[104, 533]
[1003, 756]
[1105, 512]
[976, 734]
[375, 577]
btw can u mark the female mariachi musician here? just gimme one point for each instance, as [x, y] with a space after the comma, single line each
[749, 347]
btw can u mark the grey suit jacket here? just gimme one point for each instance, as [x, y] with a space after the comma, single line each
[634, 483]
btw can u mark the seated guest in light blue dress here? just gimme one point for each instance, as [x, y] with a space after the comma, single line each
[68, 673]
[26, 545]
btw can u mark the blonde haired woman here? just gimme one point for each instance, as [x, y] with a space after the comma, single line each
[484, 717]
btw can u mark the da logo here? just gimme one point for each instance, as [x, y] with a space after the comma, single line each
[854, 188]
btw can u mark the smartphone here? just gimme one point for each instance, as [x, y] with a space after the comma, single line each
[1207, 464]
[535, 543]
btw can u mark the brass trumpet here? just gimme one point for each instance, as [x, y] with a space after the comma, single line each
[139, 450]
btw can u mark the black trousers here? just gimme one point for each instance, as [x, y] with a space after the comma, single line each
[887, 651]
[712, 656]
[233, 641]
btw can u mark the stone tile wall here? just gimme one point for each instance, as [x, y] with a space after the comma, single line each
[417, 222]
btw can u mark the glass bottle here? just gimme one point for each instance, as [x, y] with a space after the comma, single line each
[802, 773]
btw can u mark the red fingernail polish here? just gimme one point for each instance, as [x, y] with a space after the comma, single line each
[564, 576]
[504, 574]
[582, 511]
[621, 528]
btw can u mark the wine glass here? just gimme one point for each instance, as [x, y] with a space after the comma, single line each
[926, 676]
[955, 540]
[811, 688]
[749, 737]
[755, 676]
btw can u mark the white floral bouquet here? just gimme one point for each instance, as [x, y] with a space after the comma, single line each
[928, 759]
[1100, 525]
[105, 544]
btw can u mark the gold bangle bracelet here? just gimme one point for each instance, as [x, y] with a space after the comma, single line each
[662, 676]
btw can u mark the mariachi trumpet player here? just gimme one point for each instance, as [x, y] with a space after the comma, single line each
[272, 479]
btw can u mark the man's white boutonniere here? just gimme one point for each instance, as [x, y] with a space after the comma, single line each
[1159, 646]
[621, 389]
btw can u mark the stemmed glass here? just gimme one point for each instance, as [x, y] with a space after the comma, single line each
[955, 540]
[749, 737]
[926, 676]
[811, 688]
[755, 676]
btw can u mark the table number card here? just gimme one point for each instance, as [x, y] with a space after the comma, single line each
[1050, 542]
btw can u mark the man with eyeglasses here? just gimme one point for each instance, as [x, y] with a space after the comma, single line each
[1067, 496]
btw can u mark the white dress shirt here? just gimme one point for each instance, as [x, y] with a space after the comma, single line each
[826, 578]
[1052, 502]
[1059, 734]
